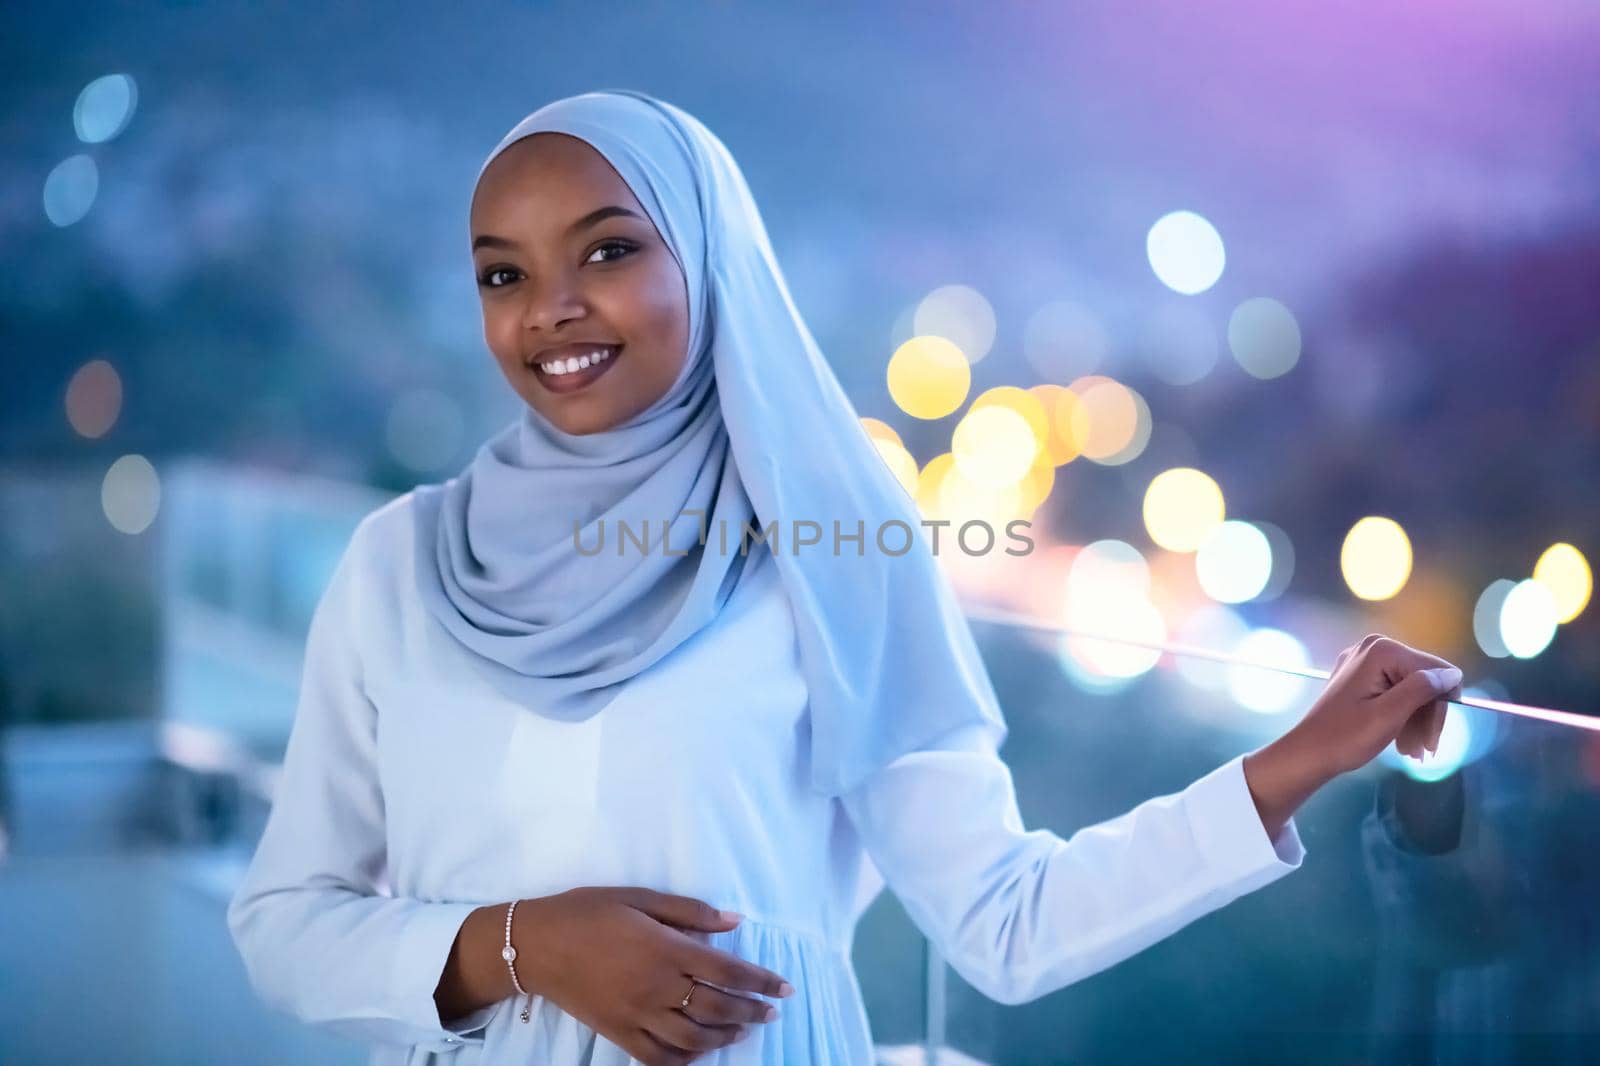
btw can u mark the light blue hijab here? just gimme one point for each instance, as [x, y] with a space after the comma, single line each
[756, 429]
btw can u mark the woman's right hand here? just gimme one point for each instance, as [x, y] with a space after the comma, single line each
[618, 960]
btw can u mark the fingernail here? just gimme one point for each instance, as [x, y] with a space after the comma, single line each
[786, 989]
[1445, 678]
[730, 916]
[771, 1013]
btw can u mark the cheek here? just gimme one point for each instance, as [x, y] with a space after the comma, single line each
[500, 333]
[664, 318]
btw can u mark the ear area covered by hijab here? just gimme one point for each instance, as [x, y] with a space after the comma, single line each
[756, 430]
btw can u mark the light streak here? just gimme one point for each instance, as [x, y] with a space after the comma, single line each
[1000, 616]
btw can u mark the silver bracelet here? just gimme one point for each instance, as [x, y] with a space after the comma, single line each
[509, 953]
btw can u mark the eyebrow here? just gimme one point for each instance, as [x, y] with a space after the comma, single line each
[489, 240]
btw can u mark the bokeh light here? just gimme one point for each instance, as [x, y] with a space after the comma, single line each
[928, 377]
[877, 429]
[1105, 417]
[1376, 558]
[1268, 691]
[1234, 562]
[1065, 420]
[1486, 618]
[1186, 252]
[994, 446]
[104, 108]
[930, 480]
[1214, 626]
[1181, 508]
[1565, 572]
[94, 399]
[901, 463]
[1130, 619]
[1264, 337]
[961, 315]
[70, 189]
[1282, 549]
[1528, 619]
[130, 494]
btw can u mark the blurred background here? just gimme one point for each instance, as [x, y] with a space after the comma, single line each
[1281, 325]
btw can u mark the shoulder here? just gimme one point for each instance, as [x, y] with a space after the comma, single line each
[386, 530]
[380, 551]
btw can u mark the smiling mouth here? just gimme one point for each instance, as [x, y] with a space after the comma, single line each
[575, 375]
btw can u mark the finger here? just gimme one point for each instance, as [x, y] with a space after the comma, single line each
[1441, 711]
[1409, 740]
[712, 1006]
[684, 911]
[654, 1052]
[677, 1029]
[1414, 689]
[731, 972]
[1398, 659]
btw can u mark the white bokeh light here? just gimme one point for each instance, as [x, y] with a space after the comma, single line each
[1186, 252]
[70, 189]
[1268, 691]
[1528, 619]
[959, 314]
[130, 494]
[104, 108]
[1234, 562]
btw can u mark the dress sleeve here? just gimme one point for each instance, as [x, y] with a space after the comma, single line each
[1020, 913]
[317, 938]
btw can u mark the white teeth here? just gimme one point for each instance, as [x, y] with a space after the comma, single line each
[573, 364]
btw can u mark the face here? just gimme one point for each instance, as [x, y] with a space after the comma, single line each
[568, 262]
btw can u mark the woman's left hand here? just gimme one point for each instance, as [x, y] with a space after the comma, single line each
[1381, 692]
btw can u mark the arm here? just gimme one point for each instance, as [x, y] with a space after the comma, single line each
[317, 939]
[1020, 913]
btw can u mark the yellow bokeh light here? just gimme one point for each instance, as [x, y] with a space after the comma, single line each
[1565, 572]
[994, 446]
[1376, 558]
[1060, 443]
[1182, 507]
[1025, 403]
[930, 480]
[901, 464]
[964, 500]
[1111, 414]
[880, 430]
[1035, 487]
[928, 377]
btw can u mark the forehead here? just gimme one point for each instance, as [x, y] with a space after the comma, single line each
[547, 180]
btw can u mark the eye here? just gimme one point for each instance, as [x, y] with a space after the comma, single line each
[485, 281]
[625, 249]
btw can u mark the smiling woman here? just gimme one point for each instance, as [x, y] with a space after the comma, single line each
[584, 304]
[562, 765]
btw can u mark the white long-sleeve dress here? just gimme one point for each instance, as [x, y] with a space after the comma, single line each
[413, 792]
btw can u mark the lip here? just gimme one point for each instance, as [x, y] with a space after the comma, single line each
[565, 383]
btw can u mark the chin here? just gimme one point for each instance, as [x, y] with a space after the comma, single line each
[581, 423]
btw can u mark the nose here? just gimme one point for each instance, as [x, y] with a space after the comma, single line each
[551, 304]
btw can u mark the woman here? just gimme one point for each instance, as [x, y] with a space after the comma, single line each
[506, 704]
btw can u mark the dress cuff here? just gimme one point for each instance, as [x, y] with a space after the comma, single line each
[419, 963]
[1228, 829]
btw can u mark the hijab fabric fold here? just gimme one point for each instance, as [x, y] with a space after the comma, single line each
[756, 430]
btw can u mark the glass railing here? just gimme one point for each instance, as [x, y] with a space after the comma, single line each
[1434, 920]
